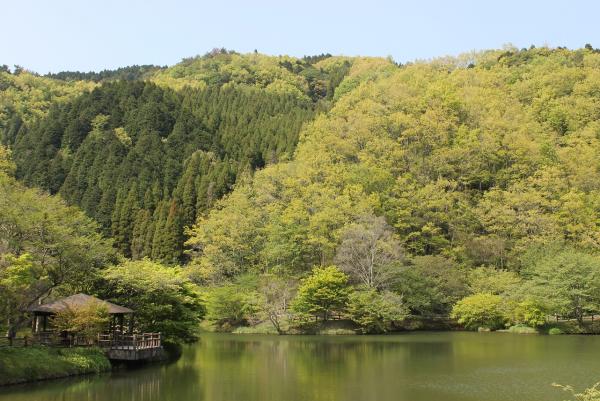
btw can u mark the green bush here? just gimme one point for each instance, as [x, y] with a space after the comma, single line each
[520, 329]
[374, 311]
[480, 310]
[230, 306]
[555, 331]
[322, 293]
[528, 313]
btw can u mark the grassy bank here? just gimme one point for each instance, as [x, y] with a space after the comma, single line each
[19, 365]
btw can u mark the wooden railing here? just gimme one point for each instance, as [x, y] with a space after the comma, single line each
[132, 341]
[24, 341]
[106, 340]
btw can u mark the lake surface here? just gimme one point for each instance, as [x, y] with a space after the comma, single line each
[404, 367]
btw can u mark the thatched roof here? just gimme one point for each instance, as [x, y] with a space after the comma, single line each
[75, 301]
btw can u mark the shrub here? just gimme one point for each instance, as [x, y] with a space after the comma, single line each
[323, 292]
[87, 320]
[230, 306]
[374, 311]
[528, 313]
[555, 331]
[479, 310]
[520, 329]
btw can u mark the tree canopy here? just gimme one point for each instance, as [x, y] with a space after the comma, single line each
[429, 185]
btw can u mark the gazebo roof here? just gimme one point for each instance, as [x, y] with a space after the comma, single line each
[75, 301]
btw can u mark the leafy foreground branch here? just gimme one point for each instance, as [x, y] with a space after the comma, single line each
[589, 394]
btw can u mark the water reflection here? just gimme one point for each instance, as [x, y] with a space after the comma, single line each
[410, 367]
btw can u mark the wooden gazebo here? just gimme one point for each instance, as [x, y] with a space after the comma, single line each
[119, 342]
[117, 313]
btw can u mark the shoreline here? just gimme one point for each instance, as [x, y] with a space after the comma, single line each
[28, 364]
[20, 365]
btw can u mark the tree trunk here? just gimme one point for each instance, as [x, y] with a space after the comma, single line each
[11, 330]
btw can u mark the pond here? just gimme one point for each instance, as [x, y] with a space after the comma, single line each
[405, 367]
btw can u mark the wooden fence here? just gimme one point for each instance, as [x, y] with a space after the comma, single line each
[24, 341]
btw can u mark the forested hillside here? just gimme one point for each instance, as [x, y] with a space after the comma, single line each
[434, 181]
[467, 186]
[474, 164]
[26, 97]
[146, 160]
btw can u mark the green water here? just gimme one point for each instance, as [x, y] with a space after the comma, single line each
[406, 367]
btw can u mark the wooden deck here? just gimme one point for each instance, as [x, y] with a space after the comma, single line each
[131, 347]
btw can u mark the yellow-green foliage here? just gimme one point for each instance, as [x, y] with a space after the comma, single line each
[479, 310]
[324, 292]
[7, 166]
[30, 96]
[247, 69]
[164, 299]
[87, 320]
[374, 311]
[528, 313]
[589, 394]
[477, 163]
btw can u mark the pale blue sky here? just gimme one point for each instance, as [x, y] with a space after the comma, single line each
[54, 35]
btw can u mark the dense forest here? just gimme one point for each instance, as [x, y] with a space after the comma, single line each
[145, 161]
[290, 191]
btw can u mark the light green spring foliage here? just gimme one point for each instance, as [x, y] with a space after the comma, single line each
[589, 394]
[232, 305]
[430, 284]
[164, 299]
[45, 246]
[493, 311]
[480, 310]
[322, 293]
[493, 281]
[527, 313]
[375, 312]
[86, 320]
[146, 161]
[19, 277]
[282, 74]
[475, 164]
[27, 96]
[7, 166]
[48, 248]
[567, 280]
